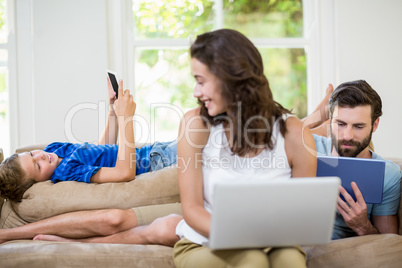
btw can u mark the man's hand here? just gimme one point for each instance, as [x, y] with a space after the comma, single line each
[355, 212]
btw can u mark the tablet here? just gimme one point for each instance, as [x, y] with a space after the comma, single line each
[367, 173]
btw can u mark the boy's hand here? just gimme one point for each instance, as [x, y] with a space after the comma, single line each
[112, 94]
[124, 105]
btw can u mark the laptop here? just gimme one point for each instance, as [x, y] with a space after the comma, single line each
[367, 173]
[262, 213]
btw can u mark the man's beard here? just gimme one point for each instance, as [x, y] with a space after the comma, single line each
[351, 152]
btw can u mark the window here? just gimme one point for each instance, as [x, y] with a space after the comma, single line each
[162, 33]
[4, 100]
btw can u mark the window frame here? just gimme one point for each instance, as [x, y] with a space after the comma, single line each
[10, 65]
[318, 42]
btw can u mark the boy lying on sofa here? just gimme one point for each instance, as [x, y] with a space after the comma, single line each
[101, 163]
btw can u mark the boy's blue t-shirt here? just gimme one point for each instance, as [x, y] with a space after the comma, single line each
[391, 190]
[81, 161]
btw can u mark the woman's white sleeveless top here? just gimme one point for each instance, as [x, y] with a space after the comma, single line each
[219, 163]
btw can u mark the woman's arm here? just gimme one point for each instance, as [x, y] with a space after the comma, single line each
[125, 168]
[300, 149]
[193, 136]
[111, 131]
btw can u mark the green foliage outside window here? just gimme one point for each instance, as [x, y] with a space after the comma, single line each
[168, 19]
[171, 18]
[265, 19]
[3, 101]
[2, 19]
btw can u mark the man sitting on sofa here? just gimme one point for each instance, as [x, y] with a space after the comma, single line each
[355, 109]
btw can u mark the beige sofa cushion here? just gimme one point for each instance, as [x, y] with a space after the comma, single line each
[46, 199]
[364, 251]
[40, 254]
[367, 251]
[8, 218]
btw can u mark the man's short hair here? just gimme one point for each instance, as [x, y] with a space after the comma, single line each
[13, 181]
[356, 93]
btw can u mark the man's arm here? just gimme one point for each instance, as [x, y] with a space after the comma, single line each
[125, 168]
[111, 131]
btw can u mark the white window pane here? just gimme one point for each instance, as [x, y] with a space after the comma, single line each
[285, 69]
[172, 19]
[4, 121]
[3, 32]
[265, 19]
[163, 75]
[3, 57]
[164, 91]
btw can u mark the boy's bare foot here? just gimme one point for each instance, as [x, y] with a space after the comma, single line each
[323, 106]
[321, 112]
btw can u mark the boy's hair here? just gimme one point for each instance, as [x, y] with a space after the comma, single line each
[356, 93]
[13, 181]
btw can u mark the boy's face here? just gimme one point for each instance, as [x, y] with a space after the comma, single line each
[39, 165]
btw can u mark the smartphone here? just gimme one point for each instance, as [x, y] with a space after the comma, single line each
[113, 81]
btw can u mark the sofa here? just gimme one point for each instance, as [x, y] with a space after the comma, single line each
[46, 199]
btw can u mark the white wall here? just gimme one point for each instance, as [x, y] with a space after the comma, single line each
[62, 55]
[369, 47]
[61, 63]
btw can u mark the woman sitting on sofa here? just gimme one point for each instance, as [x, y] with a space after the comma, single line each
[235, 95]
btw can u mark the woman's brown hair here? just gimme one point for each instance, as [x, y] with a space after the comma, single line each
[250, 106]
